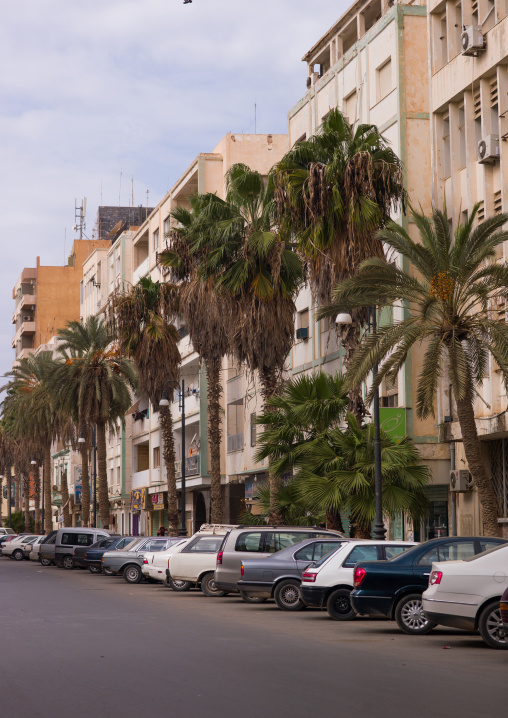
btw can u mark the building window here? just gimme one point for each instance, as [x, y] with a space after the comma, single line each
[384, 80]
[444, 40]
[446, 146]
[462, 138]
[303, 325]
[498, 454]
[235, 425]
[253, 427]
[350, 108]
[143, 462]
[167, 225]
[389, 401]
[156, 240]
[156, 457]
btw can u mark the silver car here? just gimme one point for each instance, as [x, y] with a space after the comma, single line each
[129, 562]
[258, 542]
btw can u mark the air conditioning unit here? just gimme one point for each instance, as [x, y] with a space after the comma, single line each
[461, 480]
[488, 149]
[472, 41]
[302, 333]
[55, 487]
[27, 319]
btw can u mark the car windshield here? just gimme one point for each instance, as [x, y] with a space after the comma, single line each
[136, 543]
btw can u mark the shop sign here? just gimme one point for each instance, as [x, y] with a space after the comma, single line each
[31, 485]
[139, 499]
[393, 422]
[78, 484]
[157, 501]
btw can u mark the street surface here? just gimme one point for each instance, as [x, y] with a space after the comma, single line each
[75, 645]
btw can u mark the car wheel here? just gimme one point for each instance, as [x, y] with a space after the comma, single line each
[339, 605]
[410, 617]
[107, 572]
[208, 586]
[94, 569]
[17, 555]
[252, 599]
[67, 563]
[132, 574]
[45, 562]
[178, 585]
[491, 628]
[287, 596]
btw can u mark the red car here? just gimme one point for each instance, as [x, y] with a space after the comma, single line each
[503, 608]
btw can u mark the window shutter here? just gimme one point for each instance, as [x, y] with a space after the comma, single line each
[385, 79]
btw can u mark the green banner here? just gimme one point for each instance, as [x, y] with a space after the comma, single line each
[393, 422]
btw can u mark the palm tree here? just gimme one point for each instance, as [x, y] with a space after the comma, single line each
[337, 471]
[447, 294]
[260, 273]
[97, 381]
[142, 320]
[204, 310]
[292, 505]
[308, 408]
[333, 192]
[33, 418]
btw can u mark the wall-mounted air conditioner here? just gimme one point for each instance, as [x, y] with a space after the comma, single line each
[302, 333]
[460, 480]
[472, 41]
[488, 149]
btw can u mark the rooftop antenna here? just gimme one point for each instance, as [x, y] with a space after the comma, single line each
[79, 217]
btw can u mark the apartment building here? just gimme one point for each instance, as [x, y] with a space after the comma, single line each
[149, 484]
[468, 61]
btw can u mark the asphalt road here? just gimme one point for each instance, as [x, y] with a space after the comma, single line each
[75, 645]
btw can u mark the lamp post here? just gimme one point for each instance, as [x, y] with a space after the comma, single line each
[81, 440]
[33, 463]
[9, 493]
[165, 402]
[379, 527]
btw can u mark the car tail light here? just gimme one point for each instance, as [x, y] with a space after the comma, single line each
[145, 560]
[242, 570]
[102, 559]
[503, 608]
[435, 578]
[309, 576]
[219, 558]
[358, 576]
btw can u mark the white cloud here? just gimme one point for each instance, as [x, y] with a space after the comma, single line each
[90, 88]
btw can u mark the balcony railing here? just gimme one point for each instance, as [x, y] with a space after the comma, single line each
[191, 467]
[235, 442]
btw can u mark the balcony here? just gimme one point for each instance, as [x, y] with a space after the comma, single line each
[191, 466]
[235, 443]
[141, 270]
[140, 479]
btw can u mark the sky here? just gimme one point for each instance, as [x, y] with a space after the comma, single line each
[94, 93]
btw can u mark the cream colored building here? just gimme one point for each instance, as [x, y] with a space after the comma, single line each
[469, 105]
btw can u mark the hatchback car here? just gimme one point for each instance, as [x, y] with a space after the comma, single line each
[128, 562]
[280, 575]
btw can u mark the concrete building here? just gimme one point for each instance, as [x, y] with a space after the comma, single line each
[468, 62]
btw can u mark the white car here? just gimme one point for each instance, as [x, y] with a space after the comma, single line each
[466, 594]
[155, 564]
[4, 531]
[329, 581]
[14, 548]
[31, 550]
[196, 562]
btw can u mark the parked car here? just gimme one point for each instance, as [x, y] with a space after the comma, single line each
[47, 550]
[5, 531]
[258, 541]
[330, 582]
[196, 562]
[31, 551]
[90, 556]
[466, 594]
[503, 608]
[5, 538]
[69, 539]
[394, 588]
[128, 562]
[280, 575]
[155, 565]
[27, 546]
[14, 548]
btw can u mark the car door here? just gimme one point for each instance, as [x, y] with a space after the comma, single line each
[446, 551]
[195, 558]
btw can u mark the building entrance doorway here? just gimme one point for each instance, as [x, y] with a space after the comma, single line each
[200, 512]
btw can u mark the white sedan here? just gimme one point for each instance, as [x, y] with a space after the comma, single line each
[195, 563]
[14, 548]
[155, 563]
[465, 594]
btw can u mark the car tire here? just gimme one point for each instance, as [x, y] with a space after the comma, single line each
[67, 563]
[287, 596]
[491, 628]
[208, 586]
[106, 571]
[178, 585]
[132, 573]
[45, 561]
[95, 569]
[339, 605]
[252, 599]
[410, 617]
[17, 555]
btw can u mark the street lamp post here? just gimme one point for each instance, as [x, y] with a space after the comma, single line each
[81, 440]
[379, 527]
[165, 402]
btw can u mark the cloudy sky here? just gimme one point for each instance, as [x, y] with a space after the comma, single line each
[90, 89]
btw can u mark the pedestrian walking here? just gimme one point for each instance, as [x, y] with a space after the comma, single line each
[161, 531]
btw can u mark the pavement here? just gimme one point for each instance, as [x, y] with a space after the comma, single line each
[78, 645]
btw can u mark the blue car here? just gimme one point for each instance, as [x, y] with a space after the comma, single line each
[90, 556]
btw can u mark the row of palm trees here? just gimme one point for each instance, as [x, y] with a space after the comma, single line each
[237, 264]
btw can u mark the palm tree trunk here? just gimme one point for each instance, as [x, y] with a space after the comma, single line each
[37, 499]
[26, 502]
[168, 453]
[102, 475]
[85, 485]
[269, 381]
[473, 452]
[17, 491]
[350, 340]
[334, 520]
[65, 501]
[214, 392]
[48, 518]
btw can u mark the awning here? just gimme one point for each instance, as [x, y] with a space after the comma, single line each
[134, 408]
